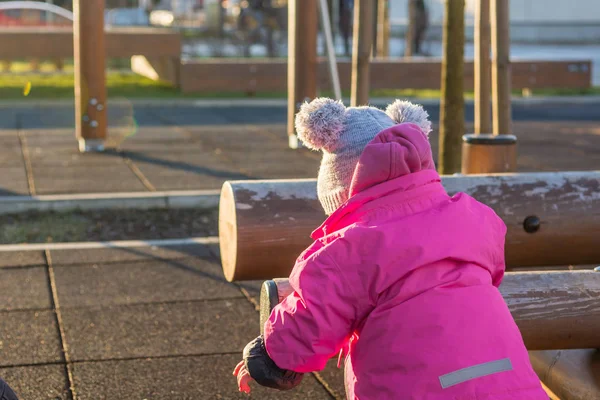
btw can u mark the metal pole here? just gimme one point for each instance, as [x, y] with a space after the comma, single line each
[333, 70]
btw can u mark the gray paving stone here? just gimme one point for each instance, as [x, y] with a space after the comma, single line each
[141, 282]
[40, 382]
[13, 181]
[334, 377]
[68, 157]
[181, 378]
[183, 176]
[119, 255]
[151, 330]
[11, 158]
[24, 288]
[10, 155]
[115, 177]
[28, 337]
[16, 259]
[252, 288]
[49, 138]
[276, 165]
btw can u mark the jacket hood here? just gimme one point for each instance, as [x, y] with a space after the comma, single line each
[396, 161]
[400, 150]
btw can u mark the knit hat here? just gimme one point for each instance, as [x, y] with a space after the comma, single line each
[342, 134]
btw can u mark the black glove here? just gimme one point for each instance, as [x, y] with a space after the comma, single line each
[6, 393]
[264, 370]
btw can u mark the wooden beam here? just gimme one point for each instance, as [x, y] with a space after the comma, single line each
[553, 310]
[452, 105]
[90, 74]
[552, 219]
[361, 52]
[483, 117]
[570, 374]
[57, 42]
[235, 75]
[501, 80]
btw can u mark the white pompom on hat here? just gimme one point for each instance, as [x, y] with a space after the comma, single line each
[320, 123]
[405, 111]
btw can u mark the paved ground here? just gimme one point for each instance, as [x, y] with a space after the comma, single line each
[129, 324]
[185, 147]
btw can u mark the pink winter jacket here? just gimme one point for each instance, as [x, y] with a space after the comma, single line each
[405, 279]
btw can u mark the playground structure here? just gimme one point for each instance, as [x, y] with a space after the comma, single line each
[156, 53]
[553, 219]
[553, 222]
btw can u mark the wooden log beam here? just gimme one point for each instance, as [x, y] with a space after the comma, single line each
[552, 219]
[553, 310]
[570, 374]
[57, 42]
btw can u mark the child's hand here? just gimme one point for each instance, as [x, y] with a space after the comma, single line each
[243, 377]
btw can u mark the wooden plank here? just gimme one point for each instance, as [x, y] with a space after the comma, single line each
[265, 225]
[553, 310]
[198, 76]
[90, 74]
[570, 374]
[17, 43]
[249, 77]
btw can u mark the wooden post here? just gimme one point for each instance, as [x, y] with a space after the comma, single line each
[485, 153]
[501, 77]
[361, 52]
[411, 27]
[302, 59]
[553, 219]
[482, 67]
[90, 74]
[452, 118]
[383, 29]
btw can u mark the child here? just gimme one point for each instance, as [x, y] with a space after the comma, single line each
[402, 278]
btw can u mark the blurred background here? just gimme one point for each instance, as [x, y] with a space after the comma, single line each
[258, 28]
